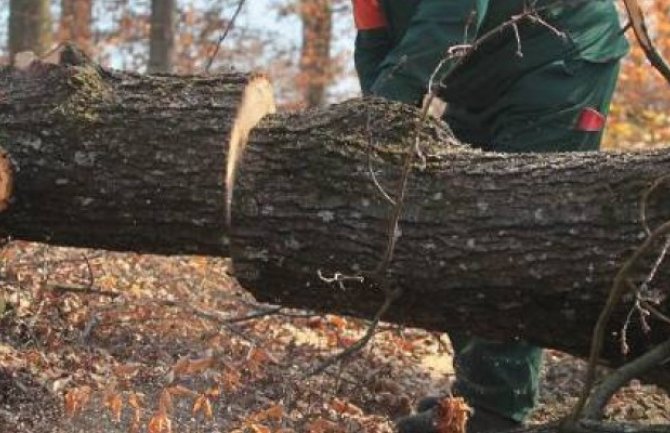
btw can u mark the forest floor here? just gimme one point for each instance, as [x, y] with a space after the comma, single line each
[95, 341]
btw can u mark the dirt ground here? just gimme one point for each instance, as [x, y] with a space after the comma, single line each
[94, 341]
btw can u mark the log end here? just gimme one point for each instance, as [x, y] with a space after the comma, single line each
[257, 101]
[6, 180]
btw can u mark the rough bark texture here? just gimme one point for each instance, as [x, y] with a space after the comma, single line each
[75, 23]
[502, 246]
[161, 42]
[29, 26]
[123, 161]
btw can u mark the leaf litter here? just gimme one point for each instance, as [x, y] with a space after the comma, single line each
[95, 341]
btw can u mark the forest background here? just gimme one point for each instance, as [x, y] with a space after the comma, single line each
[305, 46]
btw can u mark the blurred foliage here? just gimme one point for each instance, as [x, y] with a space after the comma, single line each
[640, 113]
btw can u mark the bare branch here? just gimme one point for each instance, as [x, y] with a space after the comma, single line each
[645, 201]
[618, 289]
[642, 35]
[360, 343]
[224, 35]
[603, 392]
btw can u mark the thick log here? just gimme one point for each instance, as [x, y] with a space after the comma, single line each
[123, 161]
[499, 245]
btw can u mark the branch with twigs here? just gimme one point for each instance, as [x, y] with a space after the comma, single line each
[619, 287]
[637, 22]
[454, 56]
[600, 396]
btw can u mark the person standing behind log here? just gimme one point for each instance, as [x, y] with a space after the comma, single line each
[545, 86]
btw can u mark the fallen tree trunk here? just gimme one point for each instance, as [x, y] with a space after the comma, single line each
[502, 246]
[123, 161]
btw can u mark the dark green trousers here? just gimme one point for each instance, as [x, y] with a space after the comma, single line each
[525, 95]
[539, 112]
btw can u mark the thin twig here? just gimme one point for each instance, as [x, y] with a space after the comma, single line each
[644, 203]
[618, 289]
[224, 35]
[655, 312]
[360, 343]
[92, 323]
[87, 290]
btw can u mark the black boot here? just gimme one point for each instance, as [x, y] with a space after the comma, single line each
[422, 422]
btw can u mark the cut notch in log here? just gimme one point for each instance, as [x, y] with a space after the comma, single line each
[257, 101]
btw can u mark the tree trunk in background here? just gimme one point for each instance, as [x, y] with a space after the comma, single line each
[75, 23]
[161, 44]
[315, 61]
[29, 26]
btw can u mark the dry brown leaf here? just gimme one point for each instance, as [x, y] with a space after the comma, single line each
[160, 423]
[202, 404]
[231, 379]
[322, 425]
[209, 412]
[125, 371]
[180, 366]
[165, 402]
[274, 412]
[134, 401]
[114, 402]
[315, 322]
[259, 428]
[189, 367]
[453, 415]
[181, 391]
[76, 399]
[214, 391]
[346, 341]
[260, 356]
[343, 407]
[337, 321]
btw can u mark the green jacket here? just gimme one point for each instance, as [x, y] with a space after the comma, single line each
[396, 61]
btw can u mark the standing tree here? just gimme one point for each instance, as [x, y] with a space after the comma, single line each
[75, 23]
[29, 26]
[161, 49]
[315, 59]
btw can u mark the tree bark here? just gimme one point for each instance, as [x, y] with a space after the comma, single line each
[123, 161]
[499, 245]
[75, 23]
[161, 43]
[29, 26]
[503, 246]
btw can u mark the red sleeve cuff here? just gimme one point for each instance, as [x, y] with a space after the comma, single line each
[368, 14]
